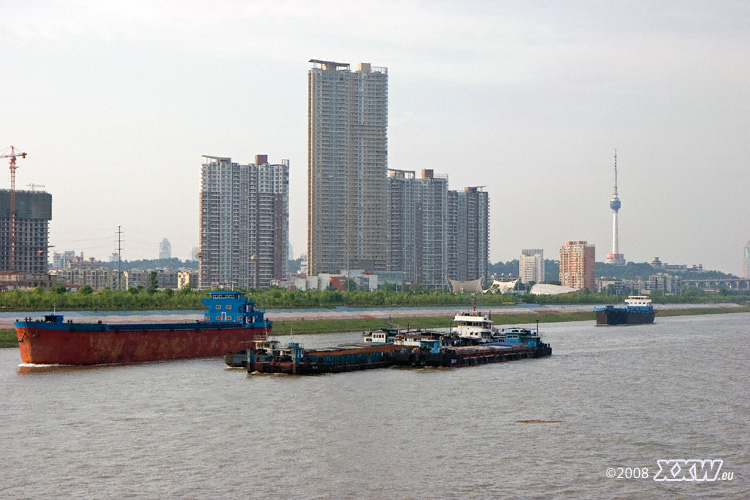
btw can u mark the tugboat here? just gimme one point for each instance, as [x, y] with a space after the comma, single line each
[474, 326]
[638, 310]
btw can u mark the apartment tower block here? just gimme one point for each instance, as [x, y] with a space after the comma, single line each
[347, 167]
[468, 234]
[577, 265]
[531, 266]
[244, 240]
[417, 226]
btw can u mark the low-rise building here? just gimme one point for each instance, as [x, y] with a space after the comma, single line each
[165, 278]
[97, 278]
[25, 281]
[188, 279]
[666, 283]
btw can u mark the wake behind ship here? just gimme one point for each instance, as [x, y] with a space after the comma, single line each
[230, 323]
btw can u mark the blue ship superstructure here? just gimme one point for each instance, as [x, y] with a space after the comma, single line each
[235, 308]
[517, 336]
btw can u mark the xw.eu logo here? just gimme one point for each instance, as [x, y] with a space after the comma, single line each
[690, 470]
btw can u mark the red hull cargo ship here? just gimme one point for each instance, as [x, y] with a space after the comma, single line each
[231, 323]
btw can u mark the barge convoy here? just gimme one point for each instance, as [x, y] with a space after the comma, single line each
[231, 323]
[390, 347]
[638, 310]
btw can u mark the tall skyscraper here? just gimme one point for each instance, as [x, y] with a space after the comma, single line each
[468, 234]
[615, 257]
[746, 260]
[577, 265]
[165, 249]
[418, 226]
[244, 223]
[531, 266]
[33, 213]
[347, 167]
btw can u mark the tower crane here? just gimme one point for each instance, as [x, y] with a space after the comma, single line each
[13, 155]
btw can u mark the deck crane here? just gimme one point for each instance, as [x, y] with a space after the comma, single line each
[13, 155]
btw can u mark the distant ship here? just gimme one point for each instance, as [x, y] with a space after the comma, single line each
[231, 323]
[638, 310]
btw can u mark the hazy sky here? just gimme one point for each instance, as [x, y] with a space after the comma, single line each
[115, 102]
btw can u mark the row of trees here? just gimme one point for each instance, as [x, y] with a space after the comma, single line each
[151, 299]
[630, 271]
[147, 298]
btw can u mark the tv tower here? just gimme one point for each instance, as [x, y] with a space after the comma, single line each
[615, 257]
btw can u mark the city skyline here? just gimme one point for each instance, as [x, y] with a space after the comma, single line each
[112, 103]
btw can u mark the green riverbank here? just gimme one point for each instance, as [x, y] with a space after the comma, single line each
[522, 319]
[304, 327]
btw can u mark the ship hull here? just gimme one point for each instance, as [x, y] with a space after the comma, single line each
[91, 344]
[622, 316]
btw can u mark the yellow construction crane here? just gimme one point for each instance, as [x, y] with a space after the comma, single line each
[13, 155]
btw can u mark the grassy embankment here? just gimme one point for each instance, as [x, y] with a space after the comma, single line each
[8, 337]
[523, 319]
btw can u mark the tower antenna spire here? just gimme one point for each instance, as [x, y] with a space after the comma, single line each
[615, 173]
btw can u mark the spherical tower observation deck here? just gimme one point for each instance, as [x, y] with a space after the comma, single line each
[615, 257]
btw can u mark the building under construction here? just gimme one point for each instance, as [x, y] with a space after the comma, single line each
[28, 248]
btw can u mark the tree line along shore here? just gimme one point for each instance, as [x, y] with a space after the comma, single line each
[144, 299]
[314, 326]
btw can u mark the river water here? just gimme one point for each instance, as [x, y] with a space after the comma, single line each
[625, 397]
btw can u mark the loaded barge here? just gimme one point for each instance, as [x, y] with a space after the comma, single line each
[231, 323]
[638, 310]
[385, 348]
[271, 357]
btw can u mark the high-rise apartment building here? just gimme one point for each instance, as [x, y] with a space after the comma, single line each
[29, 247]
[577, 265]
[468, 234]
[165, 249]
[61, 259]
[418, 226]
[347, 167]
[531, 265]
[244, 237]
[746, 260]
